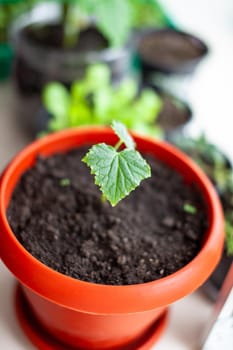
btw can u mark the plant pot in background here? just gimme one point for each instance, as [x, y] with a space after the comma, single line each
[68, 308]
[169, 57]
[175, 114]
[6, 57]
[40, 58]
[213, 285]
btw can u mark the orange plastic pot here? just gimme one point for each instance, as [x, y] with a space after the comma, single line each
[91, 316]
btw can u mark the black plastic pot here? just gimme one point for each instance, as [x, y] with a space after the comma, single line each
[37, 62]
[175, 114]
[214, 284]
[169, 56]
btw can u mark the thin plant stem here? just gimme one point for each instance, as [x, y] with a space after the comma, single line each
[65, 11]
[70, 35]
[118, 145]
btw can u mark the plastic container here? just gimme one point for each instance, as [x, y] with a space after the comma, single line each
[169, 57]
[37, 64]
[91, 316]
[174, 116]
[214, 284]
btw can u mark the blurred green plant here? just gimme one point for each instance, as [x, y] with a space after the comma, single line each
[112, 18]
[219, 170]
[94, 101]
[148, 13]
[210, 159]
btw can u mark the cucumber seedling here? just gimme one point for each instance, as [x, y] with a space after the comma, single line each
[117, 172]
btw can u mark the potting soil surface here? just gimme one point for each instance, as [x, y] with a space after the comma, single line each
[57, 214]
[52, 36]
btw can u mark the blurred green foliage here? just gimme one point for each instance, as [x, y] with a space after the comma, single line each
[94, 101]
[114, 18]
[147, 13]
[219, 170]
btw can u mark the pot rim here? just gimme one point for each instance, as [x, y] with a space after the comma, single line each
[104, 299]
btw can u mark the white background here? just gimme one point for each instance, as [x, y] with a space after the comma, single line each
[211, 97]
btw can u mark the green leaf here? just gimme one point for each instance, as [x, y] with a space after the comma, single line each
[148, 13]
[56, 100]
[97, 76]
[123, 134]
[96, 79]
[114, 19]
[116, 173]
[93, 100]
[79, 90]
[188, 208]
[102, 101]
[64, 182]
[148, 106]
[124, 93]
[80, 114]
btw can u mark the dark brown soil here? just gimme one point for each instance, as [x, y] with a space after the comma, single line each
[51, 36]
[147, 236]
[170, 49]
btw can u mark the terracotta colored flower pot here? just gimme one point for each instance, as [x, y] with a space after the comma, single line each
[89, 315]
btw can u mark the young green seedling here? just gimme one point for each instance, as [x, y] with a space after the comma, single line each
[188, 208]
[64, 182]
[117, 173]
